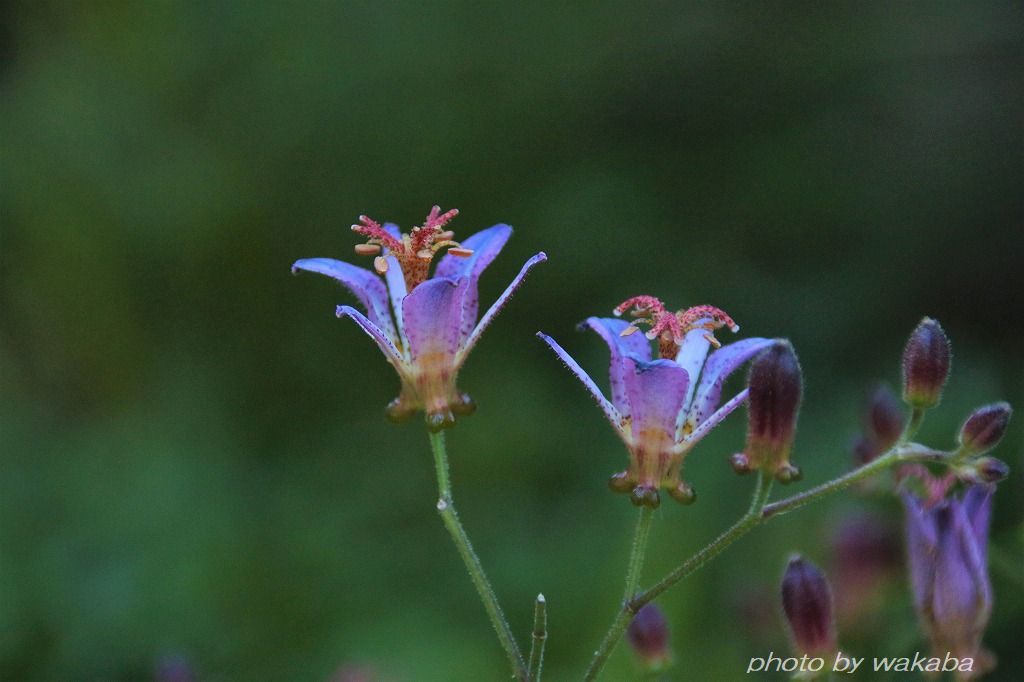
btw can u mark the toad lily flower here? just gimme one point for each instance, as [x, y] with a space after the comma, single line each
[947, 541]
[662, 407]
[425, 326]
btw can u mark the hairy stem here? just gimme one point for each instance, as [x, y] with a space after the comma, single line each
[760, 511]
[446, 508]
[901, 454]
[540, 635]
[625, 614]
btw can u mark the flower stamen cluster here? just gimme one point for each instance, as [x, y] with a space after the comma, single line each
[414, 250]
[670, 328]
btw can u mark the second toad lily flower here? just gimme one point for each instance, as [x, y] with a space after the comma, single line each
[661, 407]
[425, 326]
[947, 542]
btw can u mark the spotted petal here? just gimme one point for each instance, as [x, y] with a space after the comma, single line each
[486, 244]
[609, 410]
[655, 392]
[365, 285]
[432, 313]
[720, 364]
[610, 329]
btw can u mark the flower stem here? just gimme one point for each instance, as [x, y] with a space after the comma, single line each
[758, 512]
[625, 615]
[540, 635]
[446, 508]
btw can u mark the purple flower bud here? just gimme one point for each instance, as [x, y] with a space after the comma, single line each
[883, 418]
[775, 385]
[925, 364]
[983, 470]
[648, 635]
[947, 546]
[985, 428]
[807, 601]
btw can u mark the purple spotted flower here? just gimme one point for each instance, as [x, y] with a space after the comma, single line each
[425, 326]
[947, 542]
[661, 407]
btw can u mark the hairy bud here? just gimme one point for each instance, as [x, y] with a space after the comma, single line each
[776, 387]
[807, 601]
[985, 428]
[883, 418]
[925, 364]
[648, 635]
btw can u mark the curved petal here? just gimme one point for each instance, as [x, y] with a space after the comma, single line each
[395, 280]
[655, 392]
[693, 351]
[397, 292]
[431, 314]
[977, 503]
[716, 418]
[498, 304]
[610, 329]
[486, 244]
[717, 369]
[365, 285]
[375, 333]
[921, 547]
[961, 589]
[609, 410]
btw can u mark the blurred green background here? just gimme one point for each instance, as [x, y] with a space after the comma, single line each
[195, 464]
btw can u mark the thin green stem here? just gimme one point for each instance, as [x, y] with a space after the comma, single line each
[913, 425]
[759, 511]
[636, 556]
[625, 614]
[540, 636]
[446, 508]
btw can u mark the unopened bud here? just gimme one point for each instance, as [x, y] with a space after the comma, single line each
[648, 635]
[775, 386]
[807, 601]
[983, 470]
[925, 364]
[884, 418]
[985, 428]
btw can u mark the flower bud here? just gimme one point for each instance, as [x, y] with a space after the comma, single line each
[775, 386]
[925, 364]
[984, 428]
[807, 601]
[983, 470]
[883, 418]
[648, 635]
